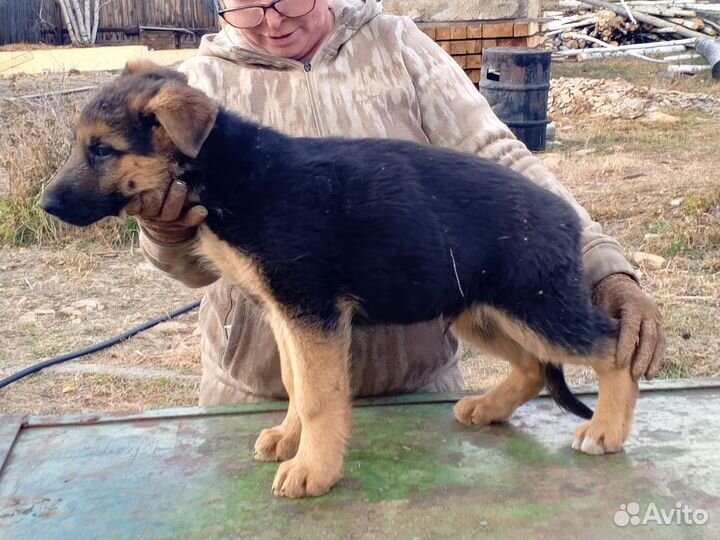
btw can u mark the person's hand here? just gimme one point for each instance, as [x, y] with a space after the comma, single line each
[168, 219]
[641, 344]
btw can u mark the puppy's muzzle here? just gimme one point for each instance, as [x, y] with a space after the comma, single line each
[79, 207]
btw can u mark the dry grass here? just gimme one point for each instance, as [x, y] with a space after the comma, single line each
[58, 301]
[47, 393]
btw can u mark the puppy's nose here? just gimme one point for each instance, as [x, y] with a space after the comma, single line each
[51, 203]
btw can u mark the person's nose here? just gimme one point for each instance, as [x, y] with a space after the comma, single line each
[273, 19]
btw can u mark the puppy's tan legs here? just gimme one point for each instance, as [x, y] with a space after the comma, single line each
[610, 425]
[523, 383]
[321, 389]
[280, 443]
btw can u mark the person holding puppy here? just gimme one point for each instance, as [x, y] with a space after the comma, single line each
[322, 68]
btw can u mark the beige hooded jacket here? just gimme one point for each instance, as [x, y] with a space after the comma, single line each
[375, 75]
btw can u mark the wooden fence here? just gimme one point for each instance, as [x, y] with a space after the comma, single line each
[20, 21]
[156, 23]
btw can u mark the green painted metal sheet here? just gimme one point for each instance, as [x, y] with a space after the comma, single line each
[412, 472]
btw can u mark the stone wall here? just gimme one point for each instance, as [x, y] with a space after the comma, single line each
[463, 10]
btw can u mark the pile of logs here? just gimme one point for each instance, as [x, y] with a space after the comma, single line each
[589, 29]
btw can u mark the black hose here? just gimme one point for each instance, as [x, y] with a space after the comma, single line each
[100, 346]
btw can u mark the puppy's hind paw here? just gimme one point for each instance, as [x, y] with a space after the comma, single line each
[596, 437]
[480, 411]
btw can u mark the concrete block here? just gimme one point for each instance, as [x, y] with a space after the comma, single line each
[463, 10]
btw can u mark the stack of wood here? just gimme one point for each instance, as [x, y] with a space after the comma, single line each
[588, 29]
[465, 41]
[632, 21]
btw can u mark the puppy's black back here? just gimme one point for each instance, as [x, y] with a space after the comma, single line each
[410, 231]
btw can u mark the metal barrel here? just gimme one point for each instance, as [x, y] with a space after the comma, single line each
[711, 51]
[516, 81]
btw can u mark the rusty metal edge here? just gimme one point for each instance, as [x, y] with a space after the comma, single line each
[659, 385]
[10, 428]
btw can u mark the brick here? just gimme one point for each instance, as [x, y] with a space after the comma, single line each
[458, 47]
[473, 61]
[521, 29]
[429, 30]
[474, 31]
[535, 41]
[489, 43]
[526, 28]
[460, 59]
[498, 30]
[443, 32]
[513, 42]
[473, 46]
[458, 32]
[474, 75]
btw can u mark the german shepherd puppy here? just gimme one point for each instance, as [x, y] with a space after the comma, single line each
[328, 233]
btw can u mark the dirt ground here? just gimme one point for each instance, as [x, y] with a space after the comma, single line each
[649, 178]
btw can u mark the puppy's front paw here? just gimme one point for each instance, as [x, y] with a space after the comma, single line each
[599, 437]
[479, 411]
[303, 477]
[276, 444]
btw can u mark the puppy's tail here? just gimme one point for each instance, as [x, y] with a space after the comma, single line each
[559, 391]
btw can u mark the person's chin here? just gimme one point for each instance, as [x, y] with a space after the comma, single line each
[288, 49]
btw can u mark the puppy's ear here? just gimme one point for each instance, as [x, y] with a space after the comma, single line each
[186, 114]
[143, 65]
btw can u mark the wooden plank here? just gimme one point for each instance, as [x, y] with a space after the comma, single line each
[443, 33]
[429, 30]
[536, 40]
[458, 47]
[445, 45]
[527, 28]
[489, 43]
[458, 32]
[473, 46]
[473, 61]
[474, 75]
[513, 42]
[474, 31]
[460, 59]
[498, 30]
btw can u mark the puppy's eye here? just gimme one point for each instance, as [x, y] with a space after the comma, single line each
[102, 150]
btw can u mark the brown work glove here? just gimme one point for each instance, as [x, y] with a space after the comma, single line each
[642, 341]
[168, 219]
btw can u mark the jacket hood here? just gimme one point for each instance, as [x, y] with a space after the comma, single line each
[350, 16]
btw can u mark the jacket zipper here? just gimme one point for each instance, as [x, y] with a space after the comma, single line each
[307, 66]
[227, 326]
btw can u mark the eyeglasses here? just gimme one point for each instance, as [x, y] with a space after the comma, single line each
[251, 16]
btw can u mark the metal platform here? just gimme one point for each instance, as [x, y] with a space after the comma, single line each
[412, 472]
